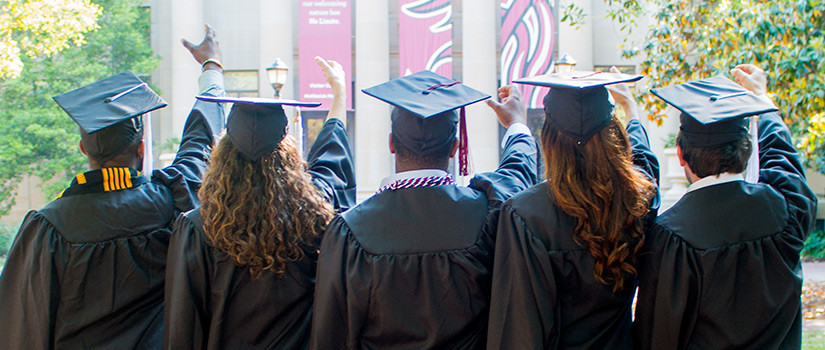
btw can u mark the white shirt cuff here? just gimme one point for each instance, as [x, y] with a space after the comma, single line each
[515, 129]
[211, 83]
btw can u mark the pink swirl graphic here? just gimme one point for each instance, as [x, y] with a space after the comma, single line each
[527, 44]
[425, 36]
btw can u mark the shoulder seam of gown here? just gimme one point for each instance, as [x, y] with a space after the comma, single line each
[673, 234]
[535, 237]
[351, 236]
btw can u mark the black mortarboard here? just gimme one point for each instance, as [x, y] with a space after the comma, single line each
[424, 118]
[109, 101]
[256, 125]
[577, 103]
[713, 110]
[111, 104]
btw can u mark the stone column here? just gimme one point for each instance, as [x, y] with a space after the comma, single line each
[276, 41]
[480, 45]
[177, 72]
[373, 160]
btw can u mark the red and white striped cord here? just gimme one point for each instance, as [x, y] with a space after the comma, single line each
[429, 181]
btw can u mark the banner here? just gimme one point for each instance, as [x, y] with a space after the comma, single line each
[425, 36]
[324, 29]
[528, 39]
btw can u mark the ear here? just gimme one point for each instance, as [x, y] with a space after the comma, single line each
[392, 147]
[682, 161]
[82, 149]
[454, 148]
[140, 151]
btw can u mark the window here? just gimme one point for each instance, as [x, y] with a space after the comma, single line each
[241, 83]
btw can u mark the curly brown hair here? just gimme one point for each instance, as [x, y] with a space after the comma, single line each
[261, 213]
[597, 184]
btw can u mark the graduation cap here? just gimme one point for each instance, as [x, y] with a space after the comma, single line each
[256, 125]
[577, 103]
[713, 109]
[106, 112]
[424, 118]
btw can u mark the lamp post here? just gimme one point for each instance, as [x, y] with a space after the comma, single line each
[565, 64]
[277, 74]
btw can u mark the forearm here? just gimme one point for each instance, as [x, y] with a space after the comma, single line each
[338, 108]
[210, 83]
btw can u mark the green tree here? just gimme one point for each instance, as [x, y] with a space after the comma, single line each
[692, 39]
[40, 27]
[36, 136]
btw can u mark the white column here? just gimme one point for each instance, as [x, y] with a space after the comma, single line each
[578, 42]
[479, 71]
[372, 117]
[186, 21]
[276, 41]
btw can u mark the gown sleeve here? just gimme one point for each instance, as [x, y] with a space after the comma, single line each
[338, 316]
[517, 171]
[184, 176]
[643, 157]
[524, 303]
[30, 286]
[780, 168]
[186, 297]
[331, 165]
[674, 305]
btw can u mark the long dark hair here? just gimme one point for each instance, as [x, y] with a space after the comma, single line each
[596, 184]
[261, 212]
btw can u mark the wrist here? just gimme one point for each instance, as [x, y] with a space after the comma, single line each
[211, 64]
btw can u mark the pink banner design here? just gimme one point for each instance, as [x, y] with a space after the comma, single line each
[528, 42]
[324, 29]
[425, 36]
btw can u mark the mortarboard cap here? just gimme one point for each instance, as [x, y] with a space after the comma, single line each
[577, 103]
[109, 101]
[713, 109]
[424, 117]
[106, 112]
[256, 125]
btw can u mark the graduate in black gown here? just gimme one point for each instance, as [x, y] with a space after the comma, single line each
[87, 270]
[410, 267]
[241, 271]
[564, 275]
[721, 268]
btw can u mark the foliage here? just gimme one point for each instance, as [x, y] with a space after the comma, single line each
[7, 234]
[691, 39]
[36, 136]
[41, 28]
[814, 246]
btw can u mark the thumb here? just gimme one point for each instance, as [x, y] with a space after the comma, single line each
[187, 44]
[493, 104]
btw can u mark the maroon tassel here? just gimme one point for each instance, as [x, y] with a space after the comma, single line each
[462, 144]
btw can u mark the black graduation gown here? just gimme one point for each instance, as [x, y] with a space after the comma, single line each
[544, 294]
[87, 270]
[722, 268]
[211, 303]
[410, 268]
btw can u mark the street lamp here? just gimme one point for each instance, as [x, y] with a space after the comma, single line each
[277, 74]
[565, 64]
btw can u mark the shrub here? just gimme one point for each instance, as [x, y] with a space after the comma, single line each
[815, 246]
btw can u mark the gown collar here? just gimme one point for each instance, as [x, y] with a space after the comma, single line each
[715, 180]
[104, 180]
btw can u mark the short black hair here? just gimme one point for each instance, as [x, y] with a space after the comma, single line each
[117, 142]
[436, 158]
[729, 157]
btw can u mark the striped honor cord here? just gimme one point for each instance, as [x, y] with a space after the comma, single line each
[429, 181]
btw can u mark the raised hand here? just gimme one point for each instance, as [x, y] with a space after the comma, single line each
[334, 73]
[511, 109]
[752, 78]
[209, 48]
[623, 97]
